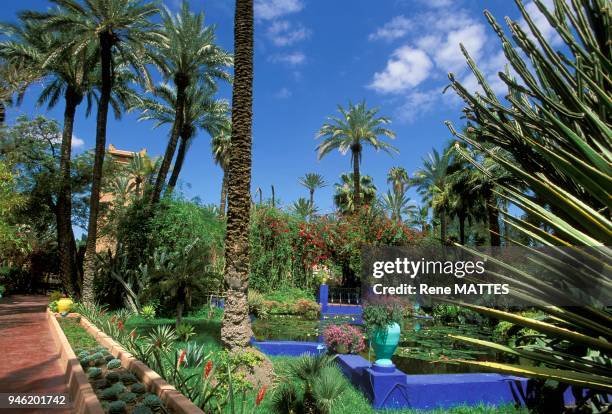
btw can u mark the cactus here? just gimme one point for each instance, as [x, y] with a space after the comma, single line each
[109, 394]
[101, 383]
[128, 378]
[108, 357]
[128, 397]
[100, 361]
[94, 373]
[151, 401]
[138, 388]
[117, 407]
[112, 376]
[85, 362]
[82, 354]
[97, 355]
[113, 364]
[142, 409]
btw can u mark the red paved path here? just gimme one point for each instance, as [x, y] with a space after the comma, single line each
[29, 359]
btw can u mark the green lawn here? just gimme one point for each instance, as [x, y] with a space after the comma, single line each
[77, 335]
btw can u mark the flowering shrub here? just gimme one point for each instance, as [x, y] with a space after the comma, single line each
[344, 339]
[307, 308]
[286, 250]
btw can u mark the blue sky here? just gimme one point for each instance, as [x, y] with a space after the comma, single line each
[312, 55]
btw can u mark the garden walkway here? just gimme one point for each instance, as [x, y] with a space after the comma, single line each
[30, 362]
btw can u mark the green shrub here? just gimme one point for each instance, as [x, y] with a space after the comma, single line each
[257, 304]
[53, 306]
[55, 296]
[147, 312]
[306, 308]
[185, 331]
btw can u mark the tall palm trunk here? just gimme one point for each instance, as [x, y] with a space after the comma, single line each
[443, 226]
[65, 237]
[178, 164]
[311, 213]
[493, 219]
[2, 113]
[236, 327]
[106, 44]
[181, 85]
[462, 217]
[356, 181]
[223, 201]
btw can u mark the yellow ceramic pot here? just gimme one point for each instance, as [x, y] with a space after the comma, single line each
[64, 305]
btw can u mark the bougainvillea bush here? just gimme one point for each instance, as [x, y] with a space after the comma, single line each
[344, 339]
[286, 248]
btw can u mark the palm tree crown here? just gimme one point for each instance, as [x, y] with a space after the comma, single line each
[357, 126]
[343, 192]
[398, 178]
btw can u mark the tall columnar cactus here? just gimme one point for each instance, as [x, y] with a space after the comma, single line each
[555, 124]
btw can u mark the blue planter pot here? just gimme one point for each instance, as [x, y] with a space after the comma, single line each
[384, 342]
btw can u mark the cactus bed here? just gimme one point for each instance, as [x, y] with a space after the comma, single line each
[118, 390]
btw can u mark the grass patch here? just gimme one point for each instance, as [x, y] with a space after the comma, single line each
[77, 335]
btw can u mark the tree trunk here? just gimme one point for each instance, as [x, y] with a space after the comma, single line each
[236, 327]
[462, 228]
[311, 204]
[2, 113]
[223, 195]
[493, 218]
[178, 164]
[356, 182]
[180, 305]
[181, 85]
[65, 237]
[443, 226]
[273, 197]
[106, 44]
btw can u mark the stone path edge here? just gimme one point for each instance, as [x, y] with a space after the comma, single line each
[170, 396]
[82, 395]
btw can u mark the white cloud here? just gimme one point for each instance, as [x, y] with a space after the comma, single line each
[540, 21]
[77, 142]
[418, 103]
[394, 29]
[283, 93]
[272, 9]
[406, 68]
[284, 33]
[293, 59]
[447, 54]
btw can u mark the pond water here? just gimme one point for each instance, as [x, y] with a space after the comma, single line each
[423, 348]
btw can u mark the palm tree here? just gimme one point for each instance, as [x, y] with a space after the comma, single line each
[201, 111]
[399, 180]
[303, 208]
[343, 192]
[187, 56]
[398, 205]
[221, 143]
[118, 26]
[70, 77]
[357, 126]
[15, 77]
[312, 181]
[236, 327]
[431, 183]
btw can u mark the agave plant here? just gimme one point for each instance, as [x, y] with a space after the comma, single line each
[557, 127]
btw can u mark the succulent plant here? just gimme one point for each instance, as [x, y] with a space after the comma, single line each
[113, 364]
[128, 397]
[100, 361]
[128, 378]
[141, 409]
[151, 401]
[82, 354]
[138, 388]
[85, 361]
[94, 373]
[119, 387]
[112, 376]
[101, 383]
[117, 407]
[108, 357]
[97, 355]
[109, 394]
